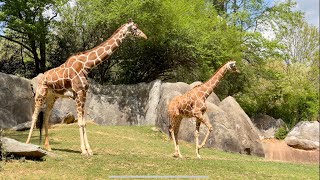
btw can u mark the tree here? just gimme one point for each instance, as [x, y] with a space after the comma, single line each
[27, 23]
[300, 41]
[183, 37]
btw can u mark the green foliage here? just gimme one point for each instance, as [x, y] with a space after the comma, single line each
[281, 133]
[287, 92]
[183, 36]
[27, 23]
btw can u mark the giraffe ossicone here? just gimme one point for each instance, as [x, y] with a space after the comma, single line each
[192, 104]
[70, 80]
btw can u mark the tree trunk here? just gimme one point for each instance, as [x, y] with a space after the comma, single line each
[42, 56]
[35, 54]
[42, 45]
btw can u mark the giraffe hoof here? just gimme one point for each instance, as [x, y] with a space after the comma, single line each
[87, 153]
[177, 156]
[48, 148]
[90, 153]
[198, 156]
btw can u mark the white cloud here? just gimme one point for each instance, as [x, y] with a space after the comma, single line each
[309, 7]
[311, 10]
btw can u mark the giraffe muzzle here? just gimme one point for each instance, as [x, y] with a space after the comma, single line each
[143, 35]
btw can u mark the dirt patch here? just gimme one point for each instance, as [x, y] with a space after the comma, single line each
[280, 151]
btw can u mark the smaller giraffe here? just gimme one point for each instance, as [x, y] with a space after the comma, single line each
[192, 104]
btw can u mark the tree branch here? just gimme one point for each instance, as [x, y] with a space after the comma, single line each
[15, 41]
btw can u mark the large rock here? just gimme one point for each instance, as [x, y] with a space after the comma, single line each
[151, 108]
[231, 132]
[22, 126]
[16, 100]
[305, 135]
[120, 104]
[11, 146]
[244, 129]
[223, 135]
[267, 125]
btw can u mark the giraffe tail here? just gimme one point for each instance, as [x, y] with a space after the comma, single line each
[40, 125]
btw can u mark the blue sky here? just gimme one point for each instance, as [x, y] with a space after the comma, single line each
[309, 7]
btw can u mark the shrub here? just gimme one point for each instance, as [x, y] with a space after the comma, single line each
[281, 133]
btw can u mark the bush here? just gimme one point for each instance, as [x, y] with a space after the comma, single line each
[281, 133]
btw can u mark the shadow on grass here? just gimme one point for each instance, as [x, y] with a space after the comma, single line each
[22, 137]
[67, 150]
[72, 151]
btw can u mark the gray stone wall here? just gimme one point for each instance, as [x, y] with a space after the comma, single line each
[16, 100]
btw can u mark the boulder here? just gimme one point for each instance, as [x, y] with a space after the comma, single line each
[151, 108]
[305, 135]
[16, 148]
[22, 126]
[69, 119]
[267, 125]
[16, 100]
[223, 135]
[63, 109]
[244, 129]
[120, 104]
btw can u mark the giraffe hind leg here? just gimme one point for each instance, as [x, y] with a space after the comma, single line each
[50, 103]
[174, 131]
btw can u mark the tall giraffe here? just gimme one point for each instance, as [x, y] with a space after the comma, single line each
[192, 104]
[71, 80]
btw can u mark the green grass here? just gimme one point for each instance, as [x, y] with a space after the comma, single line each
[123, 150]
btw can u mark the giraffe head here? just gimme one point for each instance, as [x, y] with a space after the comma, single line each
[134, 31]
[231, 66]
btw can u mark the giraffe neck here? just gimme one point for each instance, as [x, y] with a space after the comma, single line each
[209, 86]
[102, 52]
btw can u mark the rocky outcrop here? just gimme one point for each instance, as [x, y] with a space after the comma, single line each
[305, 135]
[267, 125]
[121, 104]
[243, 128]
[16, 100]
[12, 147]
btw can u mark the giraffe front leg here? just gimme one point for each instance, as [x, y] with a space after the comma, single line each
[196, 134]
[38, 104]
[204, 120]
[84, 144]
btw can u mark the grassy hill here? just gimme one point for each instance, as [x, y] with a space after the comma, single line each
[123, 150]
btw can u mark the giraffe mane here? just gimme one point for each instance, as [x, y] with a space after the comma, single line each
[86, 51]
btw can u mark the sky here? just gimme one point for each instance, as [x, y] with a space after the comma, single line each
[309, 7]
